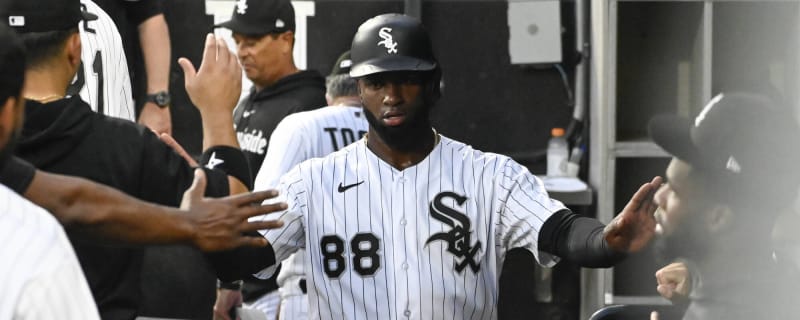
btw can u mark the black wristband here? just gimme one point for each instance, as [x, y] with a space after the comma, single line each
[232, 285]
[229, 160]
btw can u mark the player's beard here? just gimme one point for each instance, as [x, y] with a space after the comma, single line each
[689, 241]
[409, 135]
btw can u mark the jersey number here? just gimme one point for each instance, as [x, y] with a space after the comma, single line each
[365, 248]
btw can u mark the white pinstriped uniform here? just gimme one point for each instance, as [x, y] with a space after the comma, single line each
[39, 272]
[427, 242]
[298, 137]
[107, 83]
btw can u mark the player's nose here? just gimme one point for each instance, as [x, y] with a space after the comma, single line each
[392, 94]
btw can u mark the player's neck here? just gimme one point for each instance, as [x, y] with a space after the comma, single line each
[43, 85]
[402, 159]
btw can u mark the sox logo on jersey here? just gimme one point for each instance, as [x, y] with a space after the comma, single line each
[458, 238]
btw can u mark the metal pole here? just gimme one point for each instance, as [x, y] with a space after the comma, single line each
[413, 8]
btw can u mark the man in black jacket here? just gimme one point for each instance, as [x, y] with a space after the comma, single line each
[62, 135]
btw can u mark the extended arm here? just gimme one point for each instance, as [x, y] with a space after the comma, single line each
[113, 217]
[589, 243]
[577, 239]
[214, 88]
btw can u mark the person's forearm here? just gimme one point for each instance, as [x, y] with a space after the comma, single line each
[105, 214]
[577, 239]
[155, 44]
[240, 263]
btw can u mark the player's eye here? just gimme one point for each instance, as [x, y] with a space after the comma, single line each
[374, 83]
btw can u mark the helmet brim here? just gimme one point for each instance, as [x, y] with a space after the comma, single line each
[386, 64]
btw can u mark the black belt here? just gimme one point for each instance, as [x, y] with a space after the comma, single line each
[302, 285]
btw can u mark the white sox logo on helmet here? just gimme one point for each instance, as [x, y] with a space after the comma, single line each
[387, 41]
[241, 6]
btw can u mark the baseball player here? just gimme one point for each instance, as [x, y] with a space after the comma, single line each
[729, 181]
[407, 223]
[103, 80]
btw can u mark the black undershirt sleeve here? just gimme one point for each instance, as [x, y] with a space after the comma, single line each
[239, 263]
[577, 239]
[17, 175]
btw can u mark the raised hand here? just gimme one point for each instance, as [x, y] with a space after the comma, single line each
[217, 85]
[634, 227]
[218, 223]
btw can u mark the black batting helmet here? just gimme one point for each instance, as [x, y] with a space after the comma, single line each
[391, 42]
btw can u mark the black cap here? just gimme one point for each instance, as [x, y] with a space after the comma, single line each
[43, 15]
[741, 140]
[391, 42]
[342, 65]
[260, 17]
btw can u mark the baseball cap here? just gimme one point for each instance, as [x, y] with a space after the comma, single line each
[259, 17]
[743, 141]
[391, 42]
[43, 15]
[342, 65]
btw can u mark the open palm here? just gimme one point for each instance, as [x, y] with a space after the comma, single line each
[634, 227]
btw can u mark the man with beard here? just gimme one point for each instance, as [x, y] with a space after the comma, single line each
[409, 223]
[733, 172]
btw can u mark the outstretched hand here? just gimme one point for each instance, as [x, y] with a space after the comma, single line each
[217, 85]
[219, 223]
[634, 227]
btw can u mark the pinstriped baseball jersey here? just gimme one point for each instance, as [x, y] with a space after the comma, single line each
[103, 81]
[299, 137]
[39, 272]
[427, 242]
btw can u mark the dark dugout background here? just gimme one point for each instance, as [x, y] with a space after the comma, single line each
[487, 102]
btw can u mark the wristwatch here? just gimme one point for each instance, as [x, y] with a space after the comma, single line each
[162, 99]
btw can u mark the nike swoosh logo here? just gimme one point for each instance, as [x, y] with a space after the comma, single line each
[343, 188]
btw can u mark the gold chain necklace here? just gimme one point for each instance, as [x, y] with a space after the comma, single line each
[46, 99]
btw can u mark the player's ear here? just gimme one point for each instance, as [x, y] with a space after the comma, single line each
[73, 49]
[8, 117]
[718, 218]
[287, 40]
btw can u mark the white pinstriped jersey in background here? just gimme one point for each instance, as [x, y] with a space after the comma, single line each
[299, 137]
[427, 242]
[106, 81]
[39, 272]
